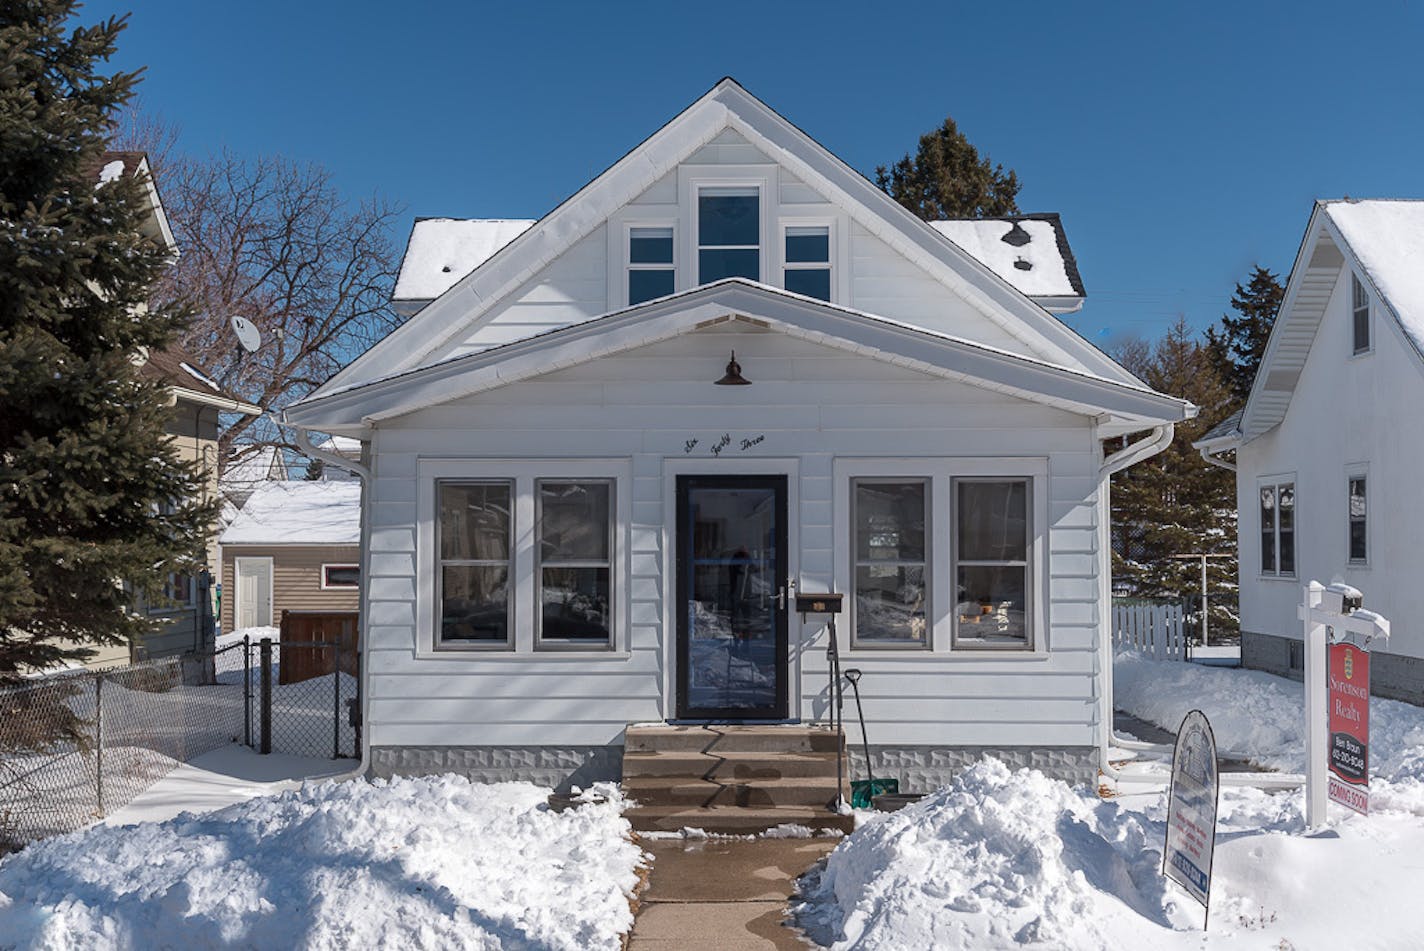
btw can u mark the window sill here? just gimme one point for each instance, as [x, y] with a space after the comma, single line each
[959, 653]
[1290, 578]
[525, 657]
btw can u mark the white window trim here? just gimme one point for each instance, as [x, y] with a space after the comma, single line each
[942, 471]
[523, 473]
[691, 181]
[340, 587]
[620, 228]
[1358, 470]
[1276, 481]
[838, 250]
[1357, 281]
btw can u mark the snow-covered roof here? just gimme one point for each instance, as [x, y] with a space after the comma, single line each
[1030, 252]
[1386, 237]
[299, 513]
[342, 445]
[443, 250]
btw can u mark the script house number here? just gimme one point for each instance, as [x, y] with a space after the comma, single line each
[724, 443]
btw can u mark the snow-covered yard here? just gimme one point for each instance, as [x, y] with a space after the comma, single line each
[1012, 859]
[411, 863]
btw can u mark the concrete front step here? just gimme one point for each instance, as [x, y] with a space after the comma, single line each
[734, 820]
[725, 767]
[775, 793]
[739, 738]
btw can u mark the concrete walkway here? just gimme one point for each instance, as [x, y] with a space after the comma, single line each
[724, 894]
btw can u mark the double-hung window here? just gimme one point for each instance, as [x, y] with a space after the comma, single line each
[889, 518]
[575, 562]
[1359, 536]
[728, 233]
[807, 261]
[1278, 529]
[651, 270]
[473, 576]
[1360, 311]
[991, 564]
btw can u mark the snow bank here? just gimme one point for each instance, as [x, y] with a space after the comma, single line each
[430, 862]
[996, 859]
[1261, 715]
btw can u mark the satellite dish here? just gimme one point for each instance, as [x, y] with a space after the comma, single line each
[247, 333]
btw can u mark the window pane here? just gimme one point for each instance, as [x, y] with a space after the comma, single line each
[649, 285]
[1359, 551]
[993, 521]
[650, 245]
[716, 264]
[1357, 498]
[890, 603]
[474, 521]
[890, 521]
[342, 576]
[1286, 522]
[727, 216]
[573, 522]
[575, 604]
[992, 604]
[808, 245]
[474, 603]
[1362, 330]
[815, 282]
[1268, 529]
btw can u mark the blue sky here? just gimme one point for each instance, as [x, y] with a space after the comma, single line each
[1182, 143]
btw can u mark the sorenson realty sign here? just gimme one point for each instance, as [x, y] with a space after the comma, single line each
[1348, 698]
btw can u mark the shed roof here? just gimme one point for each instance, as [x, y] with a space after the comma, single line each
[1030, 252]
[299, 513]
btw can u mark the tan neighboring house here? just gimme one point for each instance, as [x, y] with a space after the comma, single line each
[197, 400]
[295, 546]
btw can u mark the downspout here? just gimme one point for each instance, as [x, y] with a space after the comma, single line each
[363, 473]
[1146, 447]
[1208, 454]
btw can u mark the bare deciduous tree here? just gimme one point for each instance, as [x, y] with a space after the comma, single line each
[273, 241]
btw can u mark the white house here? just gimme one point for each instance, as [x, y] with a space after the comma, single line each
[1330, 445]
[600, 463]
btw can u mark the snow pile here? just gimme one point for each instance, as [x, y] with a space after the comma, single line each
[298, 513]
[431, 862]
[996, 859]
[1261, 716]
[254, 634]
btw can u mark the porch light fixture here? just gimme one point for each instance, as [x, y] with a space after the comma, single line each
[733, 376]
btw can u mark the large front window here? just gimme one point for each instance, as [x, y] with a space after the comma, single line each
[991, 564]
[728, 233]
[475, 544]
[575, 552]
[889, 519]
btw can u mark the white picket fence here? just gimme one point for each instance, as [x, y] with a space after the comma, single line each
[1157, 630]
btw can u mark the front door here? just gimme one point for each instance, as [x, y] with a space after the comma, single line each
[731, 597]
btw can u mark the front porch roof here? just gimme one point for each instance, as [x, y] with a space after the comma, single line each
[1124, 408]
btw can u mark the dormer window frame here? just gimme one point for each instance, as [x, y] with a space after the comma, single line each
[838, 231]
[1361, 316]
[693, 180]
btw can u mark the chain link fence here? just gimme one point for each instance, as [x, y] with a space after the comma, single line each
[77, 746]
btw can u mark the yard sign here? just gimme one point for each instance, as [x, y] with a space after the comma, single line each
[1348, 683]
[1191, 809]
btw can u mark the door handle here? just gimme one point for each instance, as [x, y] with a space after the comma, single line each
[781, 599]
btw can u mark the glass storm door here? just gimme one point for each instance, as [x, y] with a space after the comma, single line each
[731, 597]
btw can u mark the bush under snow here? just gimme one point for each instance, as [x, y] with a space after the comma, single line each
[424, 862]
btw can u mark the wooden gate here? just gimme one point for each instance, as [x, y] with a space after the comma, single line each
[337, 628]
[1156, 630]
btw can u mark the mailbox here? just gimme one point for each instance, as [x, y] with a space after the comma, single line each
[823, 603]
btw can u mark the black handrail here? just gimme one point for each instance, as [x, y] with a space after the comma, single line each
[833, 656]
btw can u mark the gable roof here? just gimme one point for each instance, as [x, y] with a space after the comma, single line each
[179, 371]
[443, 250]
[726, 105]
[298, 513]
[112, 165]
[1380, 240]
[1124, 407]
[1030, 252]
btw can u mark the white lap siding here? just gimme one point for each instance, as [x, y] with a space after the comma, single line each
[810, 405]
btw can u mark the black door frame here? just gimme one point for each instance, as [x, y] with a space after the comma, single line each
[682, 540]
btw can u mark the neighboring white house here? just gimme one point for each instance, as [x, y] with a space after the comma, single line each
[1330, 446]
[601, 462]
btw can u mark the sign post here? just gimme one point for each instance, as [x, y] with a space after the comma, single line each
[1191, 810]
[1338, 632]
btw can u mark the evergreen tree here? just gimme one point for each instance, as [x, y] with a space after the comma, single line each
[947, 178]
[1237, 348]
[1176, 503]
[95, 507]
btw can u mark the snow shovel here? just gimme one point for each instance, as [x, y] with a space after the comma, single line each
[863, 791]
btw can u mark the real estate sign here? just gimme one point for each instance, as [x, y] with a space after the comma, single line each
[1191, 808]
[1347, 674]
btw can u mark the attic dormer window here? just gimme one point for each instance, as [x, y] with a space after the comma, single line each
[650, 264]
[728, 233]
[1360, 307]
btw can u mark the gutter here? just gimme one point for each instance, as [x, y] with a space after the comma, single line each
[1209, 454]
[208, 399]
